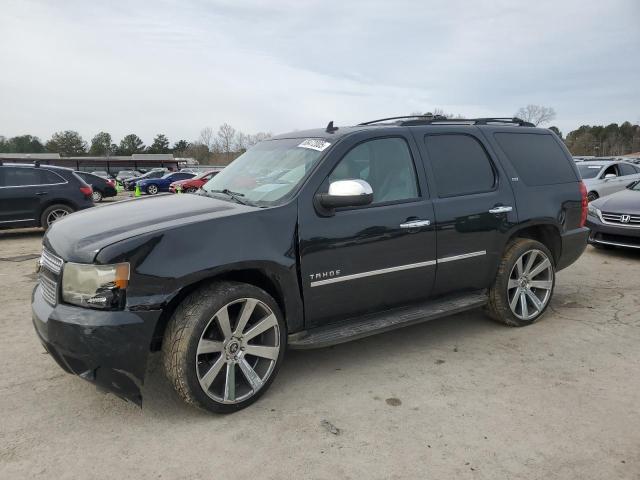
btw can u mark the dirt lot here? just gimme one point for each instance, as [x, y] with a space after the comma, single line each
[459, 397]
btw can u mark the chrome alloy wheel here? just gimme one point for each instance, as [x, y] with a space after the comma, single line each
[152, 189]
[530, 284]
[238, 350]
[56, 214]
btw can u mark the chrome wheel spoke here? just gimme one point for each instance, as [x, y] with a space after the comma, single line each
[542, 266]
[524, 309]
[519, 269]
[223, 322]
[208, 378]
[534, 299]
[261, 327]
[544, 284]
[514, 300]
[230, 383]
[513, 283]
[209, 346]
[530, 261]
[250, 374]
[261, 351]
[245, 314]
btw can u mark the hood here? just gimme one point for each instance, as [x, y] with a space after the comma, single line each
[182, 182]
[79, 237]
[625, 201]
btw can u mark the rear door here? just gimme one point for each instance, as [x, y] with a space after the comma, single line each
[473, 203]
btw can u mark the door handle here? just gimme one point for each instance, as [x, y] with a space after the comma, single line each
[416, 224]
[501, 209]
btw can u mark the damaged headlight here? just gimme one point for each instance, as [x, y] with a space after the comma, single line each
[96, 286]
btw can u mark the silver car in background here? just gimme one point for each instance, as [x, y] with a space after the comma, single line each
[604, 178]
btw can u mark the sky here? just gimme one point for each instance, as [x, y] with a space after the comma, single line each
[175, 67]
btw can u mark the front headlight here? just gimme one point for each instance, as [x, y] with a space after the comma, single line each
[96, 286]
[594, 212]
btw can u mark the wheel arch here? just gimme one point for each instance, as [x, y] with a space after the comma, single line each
[55, 201]
[256, 276]
[546, 233]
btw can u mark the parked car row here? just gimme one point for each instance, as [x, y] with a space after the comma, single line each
[606, 177]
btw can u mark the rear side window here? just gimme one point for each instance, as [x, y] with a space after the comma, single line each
[626, 169]
[537, 158]
[460, 165]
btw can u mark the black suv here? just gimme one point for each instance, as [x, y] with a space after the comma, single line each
[310, 239]
[34, 195]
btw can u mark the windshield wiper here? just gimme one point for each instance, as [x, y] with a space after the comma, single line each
[234, 195]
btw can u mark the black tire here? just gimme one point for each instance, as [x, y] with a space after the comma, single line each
[191, 190]
[46, 219]
[96, 196]
[190, 321]
[498, 307]
[591, 196]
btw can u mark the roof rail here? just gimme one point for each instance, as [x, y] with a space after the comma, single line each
[409, 120]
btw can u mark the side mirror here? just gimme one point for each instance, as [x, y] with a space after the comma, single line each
[345, 193]
[609, 176]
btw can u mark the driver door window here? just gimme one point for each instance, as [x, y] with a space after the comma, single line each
[386, 164]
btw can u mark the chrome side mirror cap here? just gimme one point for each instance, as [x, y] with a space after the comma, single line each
[345, 193]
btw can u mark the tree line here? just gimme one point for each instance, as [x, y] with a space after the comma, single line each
[211, 146]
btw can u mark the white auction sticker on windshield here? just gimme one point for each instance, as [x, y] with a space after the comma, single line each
[315, 144]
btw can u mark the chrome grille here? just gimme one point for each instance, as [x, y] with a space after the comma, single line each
[49, 290]
[51, 262]
[621, 219]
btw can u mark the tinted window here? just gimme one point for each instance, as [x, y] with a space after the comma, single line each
[24, 176]
[627, 169]
[384, 163]
[460, 165]
[538, 159]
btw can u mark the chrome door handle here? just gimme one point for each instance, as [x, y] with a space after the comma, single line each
[503, 209]
[416, 224]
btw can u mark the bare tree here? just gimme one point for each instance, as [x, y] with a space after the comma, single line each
[207, 138]
[226, 139]
[536, 114]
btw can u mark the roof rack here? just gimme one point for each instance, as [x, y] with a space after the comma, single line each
[409, 120]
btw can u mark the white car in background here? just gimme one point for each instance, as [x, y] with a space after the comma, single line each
[605, 178]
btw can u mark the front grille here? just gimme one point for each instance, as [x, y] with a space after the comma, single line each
[51, 262]
[622, 219]
[51, 267]
[49, 290]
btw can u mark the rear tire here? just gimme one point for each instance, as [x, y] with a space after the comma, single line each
[213, 361]
[54, 213]
[96, 196]
[191, 190]
[524, 284]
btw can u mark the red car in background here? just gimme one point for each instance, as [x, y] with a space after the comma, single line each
[190, 185]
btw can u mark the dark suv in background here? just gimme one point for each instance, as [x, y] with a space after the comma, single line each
[38, 195]
[309, 239]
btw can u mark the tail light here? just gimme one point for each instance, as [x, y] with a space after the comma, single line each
[111, 182]
[86, 191]
[584, 204]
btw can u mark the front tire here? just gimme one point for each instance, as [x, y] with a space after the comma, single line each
[53, 213]
[152, 189]
[524, 284]
[224, 345]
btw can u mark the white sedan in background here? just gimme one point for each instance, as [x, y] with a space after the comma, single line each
[605, 178]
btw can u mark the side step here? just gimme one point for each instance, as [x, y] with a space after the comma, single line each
[372, 324]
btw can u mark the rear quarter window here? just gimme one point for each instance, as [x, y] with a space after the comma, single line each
[537, 158]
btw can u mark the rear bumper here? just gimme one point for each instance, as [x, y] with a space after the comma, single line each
[618, 236]
[574, 242]
[109, 349]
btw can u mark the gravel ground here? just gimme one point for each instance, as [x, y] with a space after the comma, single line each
[459, 397]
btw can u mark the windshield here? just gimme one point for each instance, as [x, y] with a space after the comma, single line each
[589, 171]
[269, 171]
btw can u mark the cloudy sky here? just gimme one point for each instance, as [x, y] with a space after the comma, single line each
[175, 67]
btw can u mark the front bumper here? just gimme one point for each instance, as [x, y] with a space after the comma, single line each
[613, 235]
[108, 348]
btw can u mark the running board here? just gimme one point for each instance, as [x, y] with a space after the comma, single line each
[373, 324]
